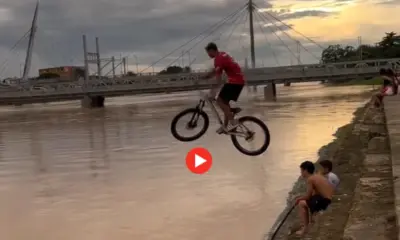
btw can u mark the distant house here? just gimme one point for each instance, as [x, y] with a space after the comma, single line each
[70, 73]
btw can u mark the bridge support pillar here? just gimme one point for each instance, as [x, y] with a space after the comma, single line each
[287, 84]
[270, 92]
[255, 89]
[92, 102]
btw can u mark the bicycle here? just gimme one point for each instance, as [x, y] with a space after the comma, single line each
[240, 131]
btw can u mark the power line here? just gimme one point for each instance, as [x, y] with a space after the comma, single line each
[194, 38]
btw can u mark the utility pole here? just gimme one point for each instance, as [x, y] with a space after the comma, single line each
[298, 52]
[190, 62]
[113, 66]
[98, 58]
[120, 64]
[124, 63]
[360, 47]
[85, 57]
[252, 51]
[183, 61]
[137, 64]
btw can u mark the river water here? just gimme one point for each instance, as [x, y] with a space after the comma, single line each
[117, 173]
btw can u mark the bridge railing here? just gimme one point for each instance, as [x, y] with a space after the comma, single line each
[264, 75]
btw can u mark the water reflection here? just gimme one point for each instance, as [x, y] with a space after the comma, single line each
[117, 173]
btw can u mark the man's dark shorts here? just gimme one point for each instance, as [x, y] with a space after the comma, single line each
[318, 203]
[230, 92]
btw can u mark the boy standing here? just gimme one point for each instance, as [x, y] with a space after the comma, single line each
[318, 197]
[327, 172]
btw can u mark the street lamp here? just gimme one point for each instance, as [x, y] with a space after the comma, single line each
[137, 64]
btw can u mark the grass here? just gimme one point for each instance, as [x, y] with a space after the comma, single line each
[359, 82]
[373, 81]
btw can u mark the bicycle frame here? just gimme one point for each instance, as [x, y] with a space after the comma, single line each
[211, 102]
[205, 99]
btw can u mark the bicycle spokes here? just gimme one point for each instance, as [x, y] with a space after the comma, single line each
[242, 131]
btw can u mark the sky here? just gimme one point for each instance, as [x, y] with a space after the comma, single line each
[144, 31]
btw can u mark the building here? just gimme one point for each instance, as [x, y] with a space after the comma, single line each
[63, 72]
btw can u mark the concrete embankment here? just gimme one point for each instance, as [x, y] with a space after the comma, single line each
[364, 206]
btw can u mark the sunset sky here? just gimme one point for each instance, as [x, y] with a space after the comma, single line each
[146, 30]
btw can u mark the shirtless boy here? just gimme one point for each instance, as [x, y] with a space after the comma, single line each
[318, 196]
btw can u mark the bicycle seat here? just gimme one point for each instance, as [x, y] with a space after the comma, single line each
[236, 110]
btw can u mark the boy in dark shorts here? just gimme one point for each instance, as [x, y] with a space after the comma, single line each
[318, 197]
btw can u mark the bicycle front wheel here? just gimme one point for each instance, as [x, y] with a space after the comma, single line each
[194, 115]
[249, 135]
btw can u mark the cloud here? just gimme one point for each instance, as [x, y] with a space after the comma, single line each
[306, 13]
[145, 29]
[389, 2]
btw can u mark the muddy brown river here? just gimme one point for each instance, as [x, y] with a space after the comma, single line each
[68, 173]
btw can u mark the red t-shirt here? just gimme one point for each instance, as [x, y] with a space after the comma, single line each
[224, 62]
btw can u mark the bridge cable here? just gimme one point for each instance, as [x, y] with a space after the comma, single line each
[269, 44]
[243, 30]
[194, 38]
[294, 30]
[290, 37]
[280, 39]
[188, 50]
[6, 64]
[216, 39]
[13, 48]
[238, 17]
[242, 36]
[233, 30]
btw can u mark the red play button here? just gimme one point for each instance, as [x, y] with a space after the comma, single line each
[198, 160]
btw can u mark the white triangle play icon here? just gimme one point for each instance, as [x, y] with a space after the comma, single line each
[198, 160]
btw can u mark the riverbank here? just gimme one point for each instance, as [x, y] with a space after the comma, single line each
[360, 154]
[377, 81]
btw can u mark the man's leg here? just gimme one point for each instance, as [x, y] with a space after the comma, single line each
[304, 217]
[226, 108]
[226, 94]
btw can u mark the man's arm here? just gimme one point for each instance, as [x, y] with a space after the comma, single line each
[310, 190]
[210, 74]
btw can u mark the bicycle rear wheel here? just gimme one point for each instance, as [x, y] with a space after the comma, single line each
[249, 135]
[195, 114]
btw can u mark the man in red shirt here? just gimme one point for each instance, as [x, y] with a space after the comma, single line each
[231, 90]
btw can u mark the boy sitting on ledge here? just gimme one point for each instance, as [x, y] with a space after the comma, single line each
[318, 197]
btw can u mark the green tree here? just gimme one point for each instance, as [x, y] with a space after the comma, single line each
[388, 47]
[175, 70]
[337, 53]
[130, 74]
[388, 40]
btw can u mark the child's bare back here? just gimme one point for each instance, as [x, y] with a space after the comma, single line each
[321, 186]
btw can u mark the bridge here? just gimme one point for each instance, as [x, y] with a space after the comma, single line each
[92, 92]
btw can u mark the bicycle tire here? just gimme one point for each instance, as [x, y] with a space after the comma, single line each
[265, 129]
[183, 113]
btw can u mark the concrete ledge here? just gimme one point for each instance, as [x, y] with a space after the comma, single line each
[372, 209]
[392, 114]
